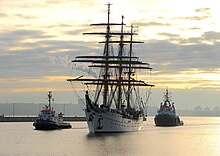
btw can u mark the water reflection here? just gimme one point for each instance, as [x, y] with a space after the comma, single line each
[112, 143]
[200, 136]
[197, 137]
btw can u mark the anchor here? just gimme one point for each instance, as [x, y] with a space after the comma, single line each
[99, 124]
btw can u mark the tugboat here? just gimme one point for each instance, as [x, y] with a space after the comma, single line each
[116, 105]
[48, 119]
[167, 113]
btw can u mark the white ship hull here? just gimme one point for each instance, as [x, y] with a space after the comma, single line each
[109, 122]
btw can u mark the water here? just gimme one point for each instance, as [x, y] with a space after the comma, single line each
[199, 136]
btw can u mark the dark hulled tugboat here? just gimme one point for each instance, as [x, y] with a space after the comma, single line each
[167, 113]
[48, 119]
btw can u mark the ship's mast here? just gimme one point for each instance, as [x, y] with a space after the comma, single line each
[120, 54]
[129, 72]
[106, 53]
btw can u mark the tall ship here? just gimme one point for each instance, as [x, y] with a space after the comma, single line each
[167, 113]
[48, 119]
[116, 105]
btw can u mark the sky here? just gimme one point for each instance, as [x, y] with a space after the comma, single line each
[38, 40]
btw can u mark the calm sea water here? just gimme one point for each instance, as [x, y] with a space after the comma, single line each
[200, 136]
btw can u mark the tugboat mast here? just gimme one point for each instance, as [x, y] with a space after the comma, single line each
[167, 97]
[50, 98]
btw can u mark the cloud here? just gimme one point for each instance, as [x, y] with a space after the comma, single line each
[63, 60]
[196, 18]
[25, 16]
[169, 35]
[77, 31]
[198, 79]
[165, 56]
[86, 70]
[35, 89]
[211, 36]
[203, 13]
[29, 53]
[188, 41]
[17, 36]
[203, 10]
[194, 28]
[53, 57]
[37, 48]
[152, 24]
[3, 15]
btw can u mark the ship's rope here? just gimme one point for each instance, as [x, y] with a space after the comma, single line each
[148, 98]
[72, 69]
[81, 100]
[75, 92]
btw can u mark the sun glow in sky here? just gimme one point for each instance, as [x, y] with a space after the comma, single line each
[39, 38]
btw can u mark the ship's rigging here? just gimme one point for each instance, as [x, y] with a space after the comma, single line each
[116, 82]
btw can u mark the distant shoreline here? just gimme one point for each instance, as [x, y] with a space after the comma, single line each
[31, 119]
